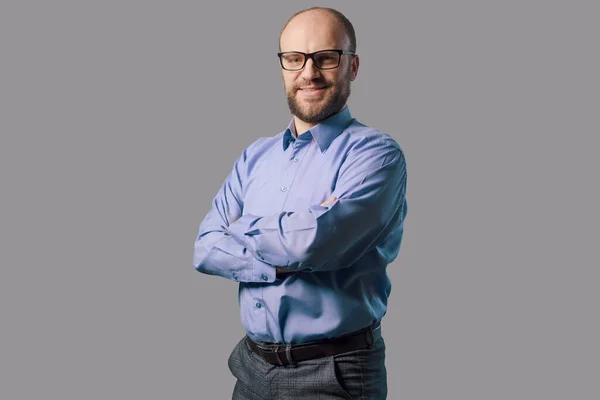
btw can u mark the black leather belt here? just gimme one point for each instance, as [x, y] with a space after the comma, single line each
[282, 354]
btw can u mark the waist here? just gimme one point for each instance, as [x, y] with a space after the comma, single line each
[287, 354]
[311, 306]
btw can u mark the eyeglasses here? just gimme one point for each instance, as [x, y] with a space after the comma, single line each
[323, 59]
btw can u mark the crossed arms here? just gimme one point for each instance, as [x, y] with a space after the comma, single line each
[369, 192]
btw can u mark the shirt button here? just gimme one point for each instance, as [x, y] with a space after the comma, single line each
[283, 188]
[258, 305]
[235, 276]
[296, 159]
[264, 277]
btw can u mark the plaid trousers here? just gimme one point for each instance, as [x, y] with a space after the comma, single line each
[354, 375]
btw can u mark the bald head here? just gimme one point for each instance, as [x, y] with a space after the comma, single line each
[320, 16]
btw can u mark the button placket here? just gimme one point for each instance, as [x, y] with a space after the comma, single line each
[291, 169]
[260, 310]
[298, 152]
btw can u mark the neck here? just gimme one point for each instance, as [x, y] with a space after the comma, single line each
[303, 126]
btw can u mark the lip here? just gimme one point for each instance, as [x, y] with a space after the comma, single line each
[312, 87]
[312, 90]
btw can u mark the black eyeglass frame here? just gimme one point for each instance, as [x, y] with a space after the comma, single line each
[312, 56]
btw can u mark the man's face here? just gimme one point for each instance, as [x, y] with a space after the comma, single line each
[313, 94]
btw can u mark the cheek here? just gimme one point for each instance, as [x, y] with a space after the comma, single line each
[288, 80]
[332, 78]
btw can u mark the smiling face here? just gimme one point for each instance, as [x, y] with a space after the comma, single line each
[313, 95]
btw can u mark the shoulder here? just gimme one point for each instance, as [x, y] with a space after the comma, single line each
[262, 143]
[259, 149]
[359, 138]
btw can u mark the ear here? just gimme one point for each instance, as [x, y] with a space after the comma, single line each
[355, 64]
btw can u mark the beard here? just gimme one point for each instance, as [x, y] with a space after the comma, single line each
[317, 110]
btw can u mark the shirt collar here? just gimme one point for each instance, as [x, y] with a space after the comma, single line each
[324, 132]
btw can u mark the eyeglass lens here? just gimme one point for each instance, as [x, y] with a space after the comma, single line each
[322, 59]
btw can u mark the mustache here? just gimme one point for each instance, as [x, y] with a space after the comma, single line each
[315, 82]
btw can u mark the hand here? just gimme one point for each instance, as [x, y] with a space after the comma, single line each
[281, 273]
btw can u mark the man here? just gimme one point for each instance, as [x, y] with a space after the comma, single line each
[307, 222]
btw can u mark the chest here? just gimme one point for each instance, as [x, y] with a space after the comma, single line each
[290, 180]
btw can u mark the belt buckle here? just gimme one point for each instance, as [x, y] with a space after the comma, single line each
[288, 361]
[279, 360]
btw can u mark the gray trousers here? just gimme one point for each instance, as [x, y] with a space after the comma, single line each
[355, 375]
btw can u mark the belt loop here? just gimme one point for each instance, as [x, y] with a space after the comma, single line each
[370, 336]
[288, 355]
[376, 330]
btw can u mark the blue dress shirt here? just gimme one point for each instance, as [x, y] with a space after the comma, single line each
[268, 213]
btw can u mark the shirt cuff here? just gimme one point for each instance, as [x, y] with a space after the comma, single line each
[262, 272]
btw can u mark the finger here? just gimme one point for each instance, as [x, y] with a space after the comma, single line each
[329, 201]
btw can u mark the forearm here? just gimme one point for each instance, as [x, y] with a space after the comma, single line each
[319, 242]
[329, 237]
[217, 253]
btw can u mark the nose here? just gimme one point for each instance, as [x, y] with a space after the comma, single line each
[310, 71]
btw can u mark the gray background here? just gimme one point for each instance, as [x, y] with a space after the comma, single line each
[121, 119]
